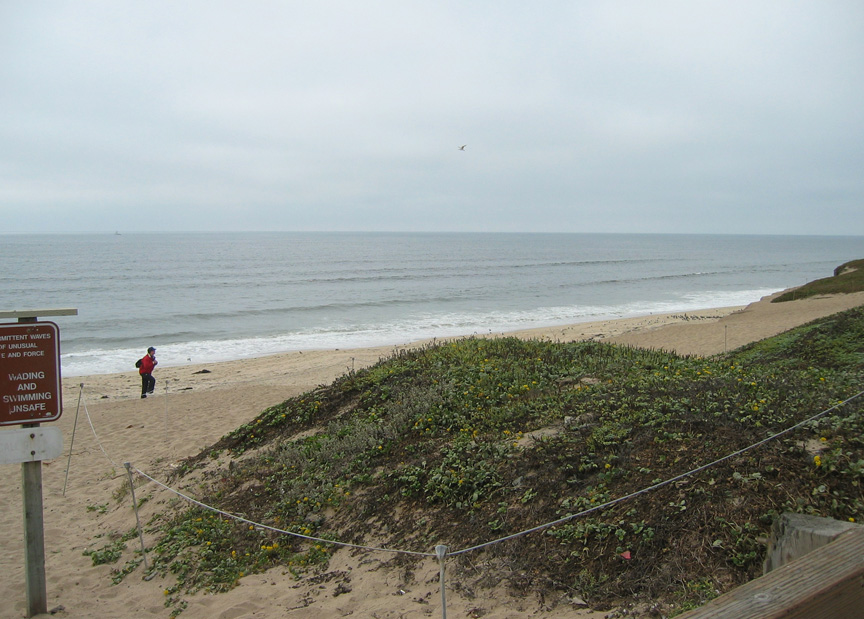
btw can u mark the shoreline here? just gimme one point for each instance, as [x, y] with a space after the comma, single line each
[702, 332]
[312, 367]
[105, 424]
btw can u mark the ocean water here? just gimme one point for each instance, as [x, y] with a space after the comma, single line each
[209, 297]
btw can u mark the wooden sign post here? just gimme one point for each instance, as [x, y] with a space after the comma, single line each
[30, 392]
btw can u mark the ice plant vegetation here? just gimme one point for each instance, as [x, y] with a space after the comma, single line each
[467, 441]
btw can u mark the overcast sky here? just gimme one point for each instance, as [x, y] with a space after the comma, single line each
[708, 117]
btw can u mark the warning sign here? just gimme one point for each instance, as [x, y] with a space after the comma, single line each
[30, 389]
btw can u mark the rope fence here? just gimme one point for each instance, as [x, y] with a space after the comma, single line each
[266, 527]
[441, 552]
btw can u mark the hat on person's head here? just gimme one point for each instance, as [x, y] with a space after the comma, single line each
[151, 349]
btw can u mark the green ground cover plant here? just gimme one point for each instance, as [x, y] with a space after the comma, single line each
[848, 277]
[463, 442]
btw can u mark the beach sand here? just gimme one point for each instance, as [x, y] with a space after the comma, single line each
[196, 405]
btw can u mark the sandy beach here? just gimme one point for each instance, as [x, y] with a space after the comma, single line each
[195, 405]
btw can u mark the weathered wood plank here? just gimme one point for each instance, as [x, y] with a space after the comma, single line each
[827, 583]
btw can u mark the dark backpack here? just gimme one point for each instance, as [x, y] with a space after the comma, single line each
[138, 363]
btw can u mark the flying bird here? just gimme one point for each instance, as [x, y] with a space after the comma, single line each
[463, 147]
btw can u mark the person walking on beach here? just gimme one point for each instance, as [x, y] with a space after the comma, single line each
[145, 369]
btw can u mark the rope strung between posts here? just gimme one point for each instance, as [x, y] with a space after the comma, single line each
[257, 525]
[93, 429]
[442, 551]
[671, 480]
[266, 527]
[540, 527]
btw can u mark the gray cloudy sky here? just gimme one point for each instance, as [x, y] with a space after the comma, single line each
[593, 116]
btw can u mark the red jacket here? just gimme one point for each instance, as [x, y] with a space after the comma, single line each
[147, 364]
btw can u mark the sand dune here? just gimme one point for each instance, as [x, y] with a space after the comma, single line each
[193, 409]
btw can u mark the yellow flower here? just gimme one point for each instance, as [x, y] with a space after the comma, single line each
[817, 460]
